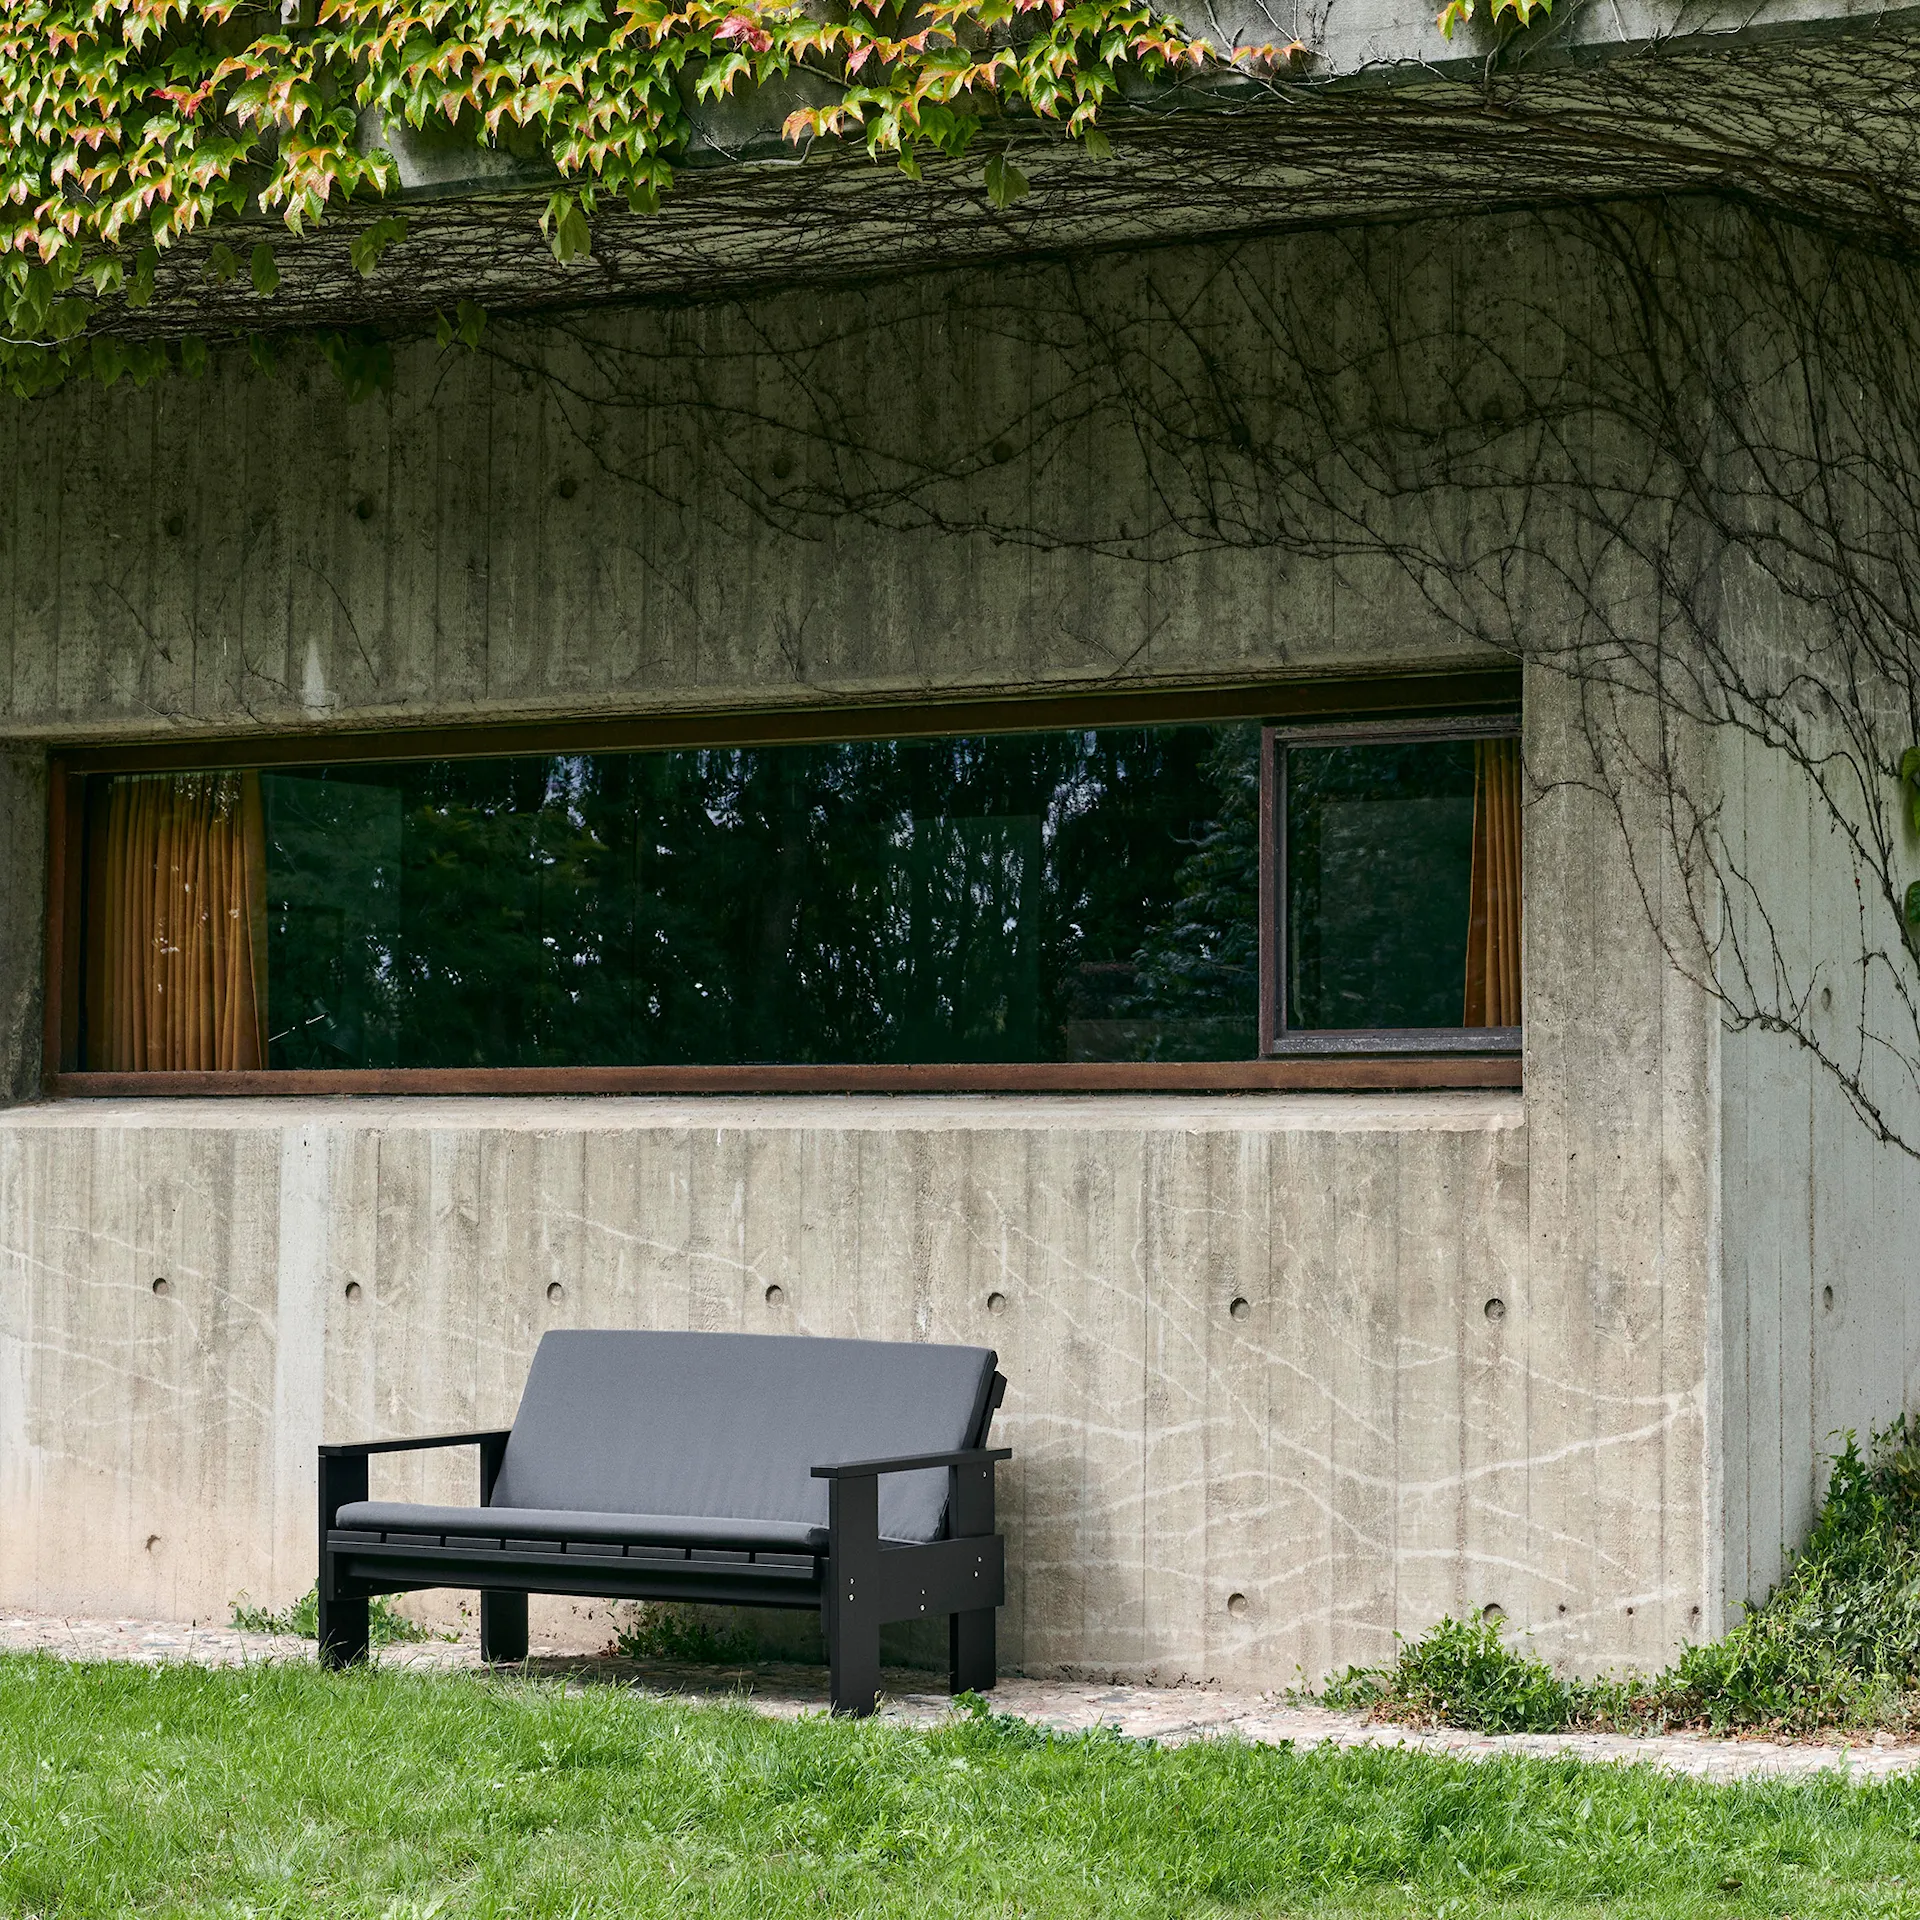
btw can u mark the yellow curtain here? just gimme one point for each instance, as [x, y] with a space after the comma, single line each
[179, 910]
[1493, 922]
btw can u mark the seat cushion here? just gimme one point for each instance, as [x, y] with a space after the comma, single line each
[732, 1424]
[564, 1523]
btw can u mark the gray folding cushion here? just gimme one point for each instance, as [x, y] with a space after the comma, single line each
[560, 1523]
[730, 1425]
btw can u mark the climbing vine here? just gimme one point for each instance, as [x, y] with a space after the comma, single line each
[1665, 454]
[129, 124]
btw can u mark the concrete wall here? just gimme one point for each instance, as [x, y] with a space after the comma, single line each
[1822, 1298]
[1350, 1456]
[647, 513]
[1367, 1449]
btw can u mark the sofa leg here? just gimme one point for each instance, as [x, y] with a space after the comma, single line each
[853, 1660]
[972, 1654]
[345, 1636]
[503, 1628]
[343, 1624]
[973, 1662]
[851, 1603]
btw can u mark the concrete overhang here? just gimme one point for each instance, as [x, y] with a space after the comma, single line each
[1810, 107]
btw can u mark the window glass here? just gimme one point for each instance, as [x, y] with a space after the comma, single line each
[1091, 895]
[1086, 895]
[1379, 881]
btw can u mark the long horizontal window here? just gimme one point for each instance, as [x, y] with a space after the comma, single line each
[1037, 897]
[1099, 897]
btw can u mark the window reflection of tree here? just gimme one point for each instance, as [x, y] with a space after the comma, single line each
[1020, 897]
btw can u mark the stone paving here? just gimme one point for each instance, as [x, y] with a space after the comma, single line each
[1168, 1715]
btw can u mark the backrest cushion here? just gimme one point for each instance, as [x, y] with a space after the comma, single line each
[732, 1424]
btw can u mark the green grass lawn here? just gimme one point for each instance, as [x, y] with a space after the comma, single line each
[282, 1790]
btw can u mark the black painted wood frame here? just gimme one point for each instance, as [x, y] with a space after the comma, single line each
[859, 1584]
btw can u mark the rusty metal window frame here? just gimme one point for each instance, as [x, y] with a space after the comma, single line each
[1277, 1041]
[1373, 706]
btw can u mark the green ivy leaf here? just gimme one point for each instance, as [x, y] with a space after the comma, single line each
[464, 329]
[365, 249]
[1913, 905]
[66, 318]
[265, 271]
[140, 288]
[221, 264]
[30, 302]
[565, 225]
[1005, 182]
[362, 364]
[193, 356]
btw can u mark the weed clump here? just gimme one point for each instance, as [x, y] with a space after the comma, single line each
[1459, 1674]
[1835, 1645]
[668, 1632]
[301, 1620]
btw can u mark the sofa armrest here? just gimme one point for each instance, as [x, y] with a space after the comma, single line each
[913, 1463]
[362, 1448]
[343, 1473]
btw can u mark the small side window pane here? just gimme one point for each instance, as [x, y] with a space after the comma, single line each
[1379, 872]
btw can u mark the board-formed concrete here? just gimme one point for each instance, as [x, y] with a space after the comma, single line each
[1260, 1414]
[1372, 1444]
[1820, 1304]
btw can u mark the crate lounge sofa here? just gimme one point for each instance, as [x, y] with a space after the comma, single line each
[750, 1469]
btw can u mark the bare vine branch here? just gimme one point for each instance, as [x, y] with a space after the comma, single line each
[1668, 452]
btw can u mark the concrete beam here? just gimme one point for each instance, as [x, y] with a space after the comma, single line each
[1799, 105]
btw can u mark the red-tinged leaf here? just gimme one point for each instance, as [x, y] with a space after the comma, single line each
[745, 29]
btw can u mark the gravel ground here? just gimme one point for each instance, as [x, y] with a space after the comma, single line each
[1170, 1715]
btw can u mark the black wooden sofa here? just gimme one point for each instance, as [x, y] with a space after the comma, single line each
[848, 1475]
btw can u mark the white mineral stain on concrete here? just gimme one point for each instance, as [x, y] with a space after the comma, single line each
[1615, 1463]
[1360, 1453]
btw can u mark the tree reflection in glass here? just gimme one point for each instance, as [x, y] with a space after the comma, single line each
[1379, 870]
[1084, 895]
